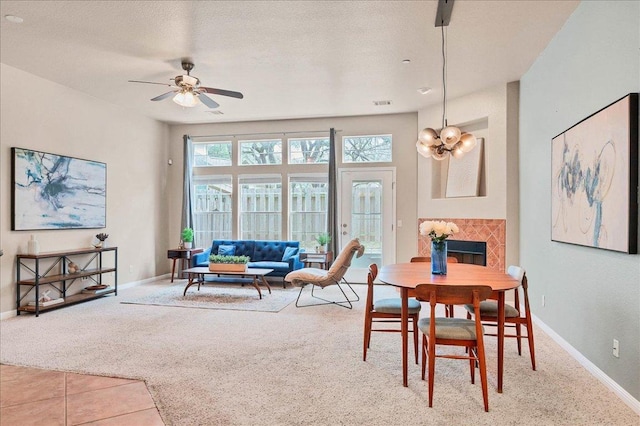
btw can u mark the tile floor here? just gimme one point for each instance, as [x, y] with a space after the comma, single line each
[31, 396]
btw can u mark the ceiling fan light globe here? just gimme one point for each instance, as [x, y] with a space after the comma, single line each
[468, 142]
[186, 99]
[450, 135]
[428, 136]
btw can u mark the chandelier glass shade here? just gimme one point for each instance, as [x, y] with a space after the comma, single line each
[450, 140]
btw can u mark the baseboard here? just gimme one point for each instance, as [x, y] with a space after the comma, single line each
[625, 396]
[12, 313]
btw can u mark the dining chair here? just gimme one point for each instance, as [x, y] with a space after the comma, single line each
[386, 311]
[453, 331]
[450, 259]
[515, 316]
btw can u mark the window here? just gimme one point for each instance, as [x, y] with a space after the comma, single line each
[308, 151]
[260, 207]
[261, 152]
[366, 149]
[212, 154]
[308, 196]
[212, 209]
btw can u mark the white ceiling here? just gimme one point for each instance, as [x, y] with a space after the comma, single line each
[290, 59]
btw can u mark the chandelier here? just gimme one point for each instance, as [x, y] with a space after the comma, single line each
[451, 140]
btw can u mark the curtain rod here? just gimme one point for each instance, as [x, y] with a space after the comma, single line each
[263, 134]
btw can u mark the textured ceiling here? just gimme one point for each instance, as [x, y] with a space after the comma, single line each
[290, 59]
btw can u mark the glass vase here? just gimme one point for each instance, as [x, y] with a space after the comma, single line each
[439, 257]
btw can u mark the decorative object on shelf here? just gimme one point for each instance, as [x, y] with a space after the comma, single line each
[35, 172]
[72, 268]
[223, 263]
[438, 231]
[450, 140]
[323, 239]
[33, 247]
[102, 240]
[187, 238]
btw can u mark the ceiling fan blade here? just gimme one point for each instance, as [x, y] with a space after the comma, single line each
[222, 92]
[208, 101]
[164, 96]
[150, 82]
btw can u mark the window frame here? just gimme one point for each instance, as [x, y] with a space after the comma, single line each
[348, 161]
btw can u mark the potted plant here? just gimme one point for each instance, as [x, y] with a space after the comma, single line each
[187, 237]
[323, 239]
[225, 263]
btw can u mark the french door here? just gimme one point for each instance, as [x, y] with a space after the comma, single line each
[367, 211]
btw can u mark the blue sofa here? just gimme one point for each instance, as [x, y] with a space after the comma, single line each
[263, 254]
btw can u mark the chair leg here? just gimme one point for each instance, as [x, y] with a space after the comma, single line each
[483, 375]
[519, 337]
[415, 336]
[367, 335]
[346, 303]
[532, 351]
[432, 373]
[472, 364]
[424, 355]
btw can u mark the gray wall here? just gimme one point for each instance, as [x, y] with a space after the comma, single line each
[592, 295]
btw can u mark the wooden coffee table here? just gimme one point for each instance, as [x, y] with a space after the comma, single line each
[252, 275]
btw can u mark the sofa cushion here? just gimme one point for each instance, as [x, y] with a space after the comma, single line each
[289, 252]
[276, 266]
[243, 247]
[266, 250]
[226, 250]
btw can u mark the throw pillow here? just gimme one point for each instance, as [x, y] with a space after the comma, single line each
[227, 250]
[289, 252]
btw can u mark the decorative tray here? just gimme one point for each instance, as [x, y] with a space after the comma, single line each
[96, 287]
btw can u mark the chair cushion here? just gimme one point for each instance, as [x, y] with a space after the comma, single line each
[289, 252]
[489, 308]
[394, 306]
[226, 250]
[276, 266]
[451, 328]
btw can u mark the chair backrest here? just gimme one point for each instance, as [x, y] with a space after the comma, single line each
[450, 259]
[452, 294]
[371, 276]
[519, 273]
[343, 261]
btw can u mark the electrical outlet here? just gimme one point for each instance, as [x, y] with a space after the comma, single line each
[543, 300]
[130, 268]
[616, 348]
[83, 278]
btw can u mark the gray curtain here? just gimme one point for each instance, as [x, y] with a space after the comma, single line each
[187, 213]
[333, 227]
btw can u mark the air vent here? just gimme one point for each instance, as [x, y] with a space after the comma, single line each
[216, 112]
[380, 103]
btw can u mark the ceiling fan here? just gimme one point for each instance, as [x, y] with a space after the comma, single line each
[188, 91]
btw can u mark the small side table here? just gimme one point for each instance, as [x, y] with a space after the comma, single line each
[184, 255]
[323, 260]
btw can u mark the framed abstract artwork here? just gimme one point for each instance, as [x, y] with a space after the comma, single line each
[51, 191]
[594, 198]
[463, 175]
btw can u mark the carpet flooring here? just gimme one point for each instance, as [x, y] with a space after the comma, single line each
[301, 366]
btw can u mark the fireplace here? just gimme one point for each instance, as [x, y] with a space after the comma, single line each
[474, 252]
[491, 232]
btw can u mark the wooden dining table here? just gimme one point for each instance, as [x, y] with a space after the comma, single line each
[406, 276]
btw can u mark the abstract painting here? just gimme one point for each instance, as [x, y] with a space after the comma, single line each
[463, 176]
[52, 191]
[594, 198]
